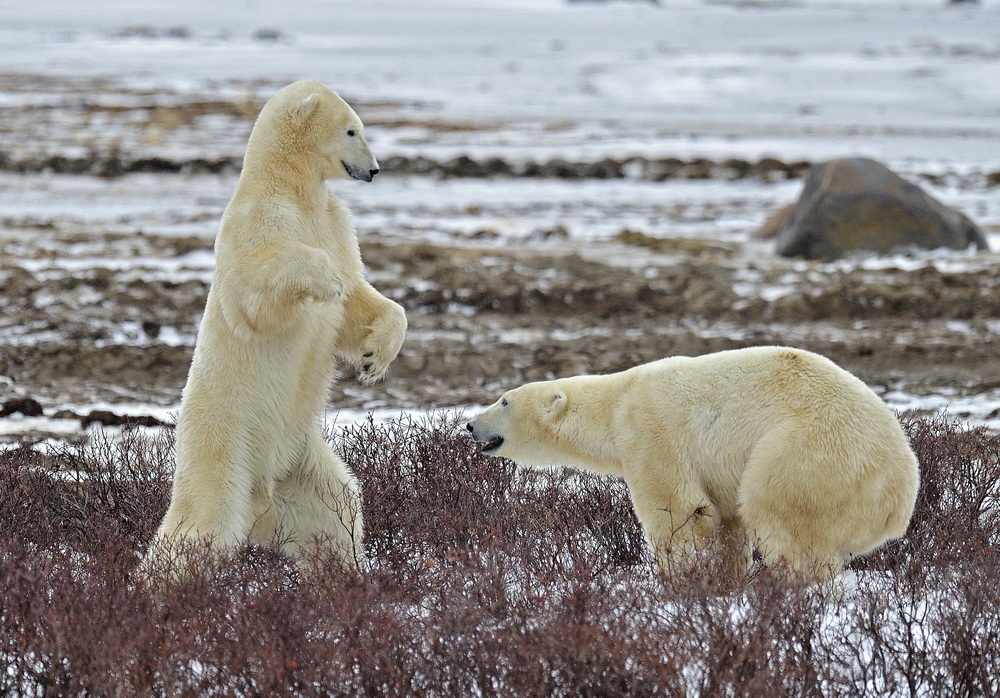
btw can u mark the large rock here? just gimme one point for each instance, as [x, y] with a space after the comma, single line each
[858, 204]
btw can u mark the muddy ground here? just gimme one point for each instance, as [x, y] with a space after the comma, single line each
[486, 311]
[485, 318]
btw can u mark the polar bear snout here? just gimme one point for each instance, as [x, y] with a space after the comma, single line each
[366, 173]
[355, 155]
[492, 442]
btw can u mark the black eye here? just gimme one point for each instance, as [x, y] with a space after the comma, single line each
[503, 402]
[351, 133]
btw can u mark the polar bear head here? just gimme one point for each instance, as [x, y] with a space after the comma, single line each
[526, 425]
[308, 122]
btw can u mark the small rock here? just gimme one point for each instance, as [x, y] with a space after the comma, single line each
[736, 168]
[497, 167]
[27, 406]
[463, 166]
[769, 169]
[557, 232]
[606, 168]
[103, 417]
[267, 35]
[699, 168]
[151, 329]
[110, 419]
[662, 169]
[560, 169]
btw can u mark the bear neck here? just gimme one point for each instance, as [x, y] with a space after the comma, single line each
[589, 444]
[285, 165]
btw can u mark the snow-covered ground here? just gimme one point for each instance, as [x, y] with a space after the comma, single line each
[899, 80]
[911, 82]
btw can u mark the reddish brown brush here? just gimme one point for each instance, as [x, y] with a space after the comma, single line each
[486, 579]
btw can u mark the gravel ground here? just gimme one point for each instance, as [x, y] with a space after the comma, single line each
[510, 270]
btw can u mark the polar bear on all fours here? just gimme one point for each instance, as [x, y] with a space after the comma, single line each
[769, 447]
[288, 301]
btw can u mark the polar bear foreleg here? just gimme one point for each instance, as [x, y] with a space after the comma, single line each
[274, 282]
[373, 332]
[676, 530]
[315, 507]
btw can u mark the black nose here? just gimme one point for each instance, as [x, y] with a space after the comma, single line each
[469, 426]
[373, 172]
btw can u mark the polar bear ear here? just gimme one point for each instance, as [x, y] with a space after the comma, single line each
[306, 107]
[557, 404]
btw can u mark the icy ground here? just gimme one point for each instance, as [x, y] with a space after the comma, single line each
[103, 274]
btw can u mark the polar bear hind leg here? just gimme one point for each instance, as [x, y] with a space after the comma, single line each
[212, 506]
[794, 506]
[315, 506]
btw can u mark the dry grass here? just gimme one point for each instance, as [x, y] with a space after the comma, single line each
[484, 579]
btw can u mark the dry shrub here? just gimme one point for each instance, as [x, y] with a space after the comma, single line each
[483, 579]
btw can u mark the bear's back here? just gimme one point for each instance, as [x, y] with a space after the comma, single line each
[767, 378]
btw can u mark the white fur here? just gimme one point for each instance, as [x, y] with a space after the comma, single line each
[772, 447]
[287, 301]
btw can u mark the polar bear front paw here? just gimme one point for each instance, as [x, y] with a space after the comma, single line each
[317, 276]
[323, 290]
[382, 345]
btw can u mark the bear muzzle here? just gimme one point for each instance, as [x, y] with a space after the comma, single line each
[365, 174]
[491, 442]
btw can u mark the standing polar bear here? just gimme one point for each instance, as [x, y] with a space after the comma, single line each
[770, 447]
[287, 301]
